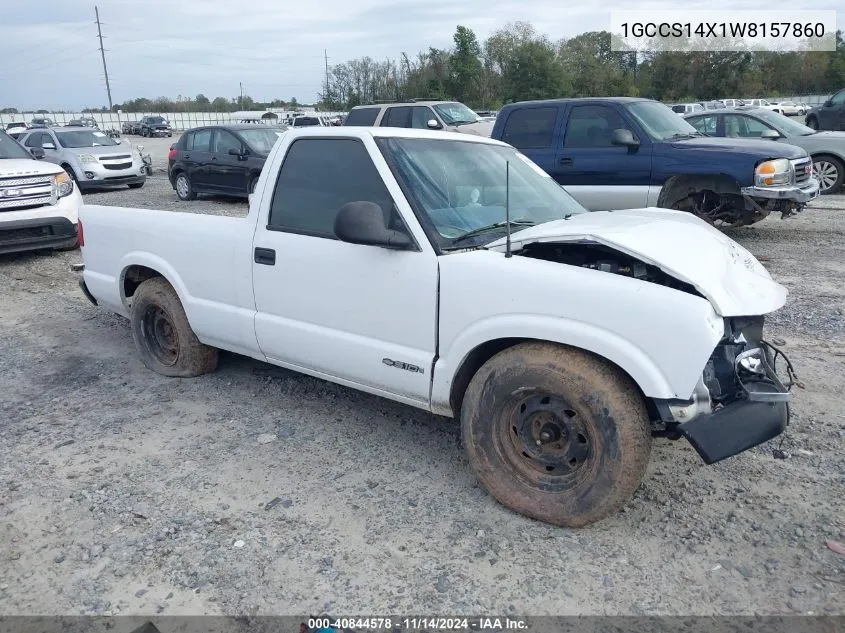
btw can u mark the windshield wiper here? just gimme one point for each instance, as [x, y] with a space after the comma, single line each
[457, 123]
[491, 227]
[679, 136]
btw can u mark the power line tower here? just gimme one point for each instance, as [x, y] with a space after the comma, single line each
[327, 96]
[103, 56]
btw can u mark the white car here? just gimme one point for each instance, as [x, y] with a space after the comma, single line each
[448, 272]
[39, 202]
[763, 103]
[789, 108]
[686, 108]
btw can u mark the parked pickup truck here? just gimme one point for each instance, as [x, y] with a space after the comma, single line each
[622, 153]
[449, 272]
[39, 202]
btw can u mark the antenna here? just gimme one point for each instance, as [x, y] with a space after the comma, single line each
[507, 208]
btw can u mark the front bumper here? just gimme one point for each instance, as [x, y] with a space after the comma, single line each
[740, 401]
[802, 194]
[96, 176]
[37, 233]
[160, 132]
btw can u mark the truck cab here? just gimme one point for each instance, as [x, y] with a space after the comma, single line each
[620, 153]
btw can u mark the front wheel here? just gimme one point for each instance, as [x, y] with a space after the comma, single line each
[162, 334]
[830, 171]
[184, 189]
[813, 123]
[556, 433]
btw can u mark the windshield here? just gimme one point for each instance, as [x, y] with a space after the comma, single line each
[783, 124]
[262, 139]
[9, 148]
[156, 120]
[455, 113]
[460, 188]
[659, 122]
[84, 138]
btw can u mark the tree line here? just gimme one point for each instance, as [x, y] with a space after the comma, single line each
[517, 63]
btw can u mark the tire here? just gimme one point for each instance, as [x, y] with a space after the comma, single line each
[162, 334]
[184, 188]
[69, 170]
[813, 123]
[250, 188]
[597, 443]
[830, 171]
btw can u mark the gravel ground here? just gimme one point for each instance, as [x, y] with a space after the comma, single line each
[255, 490]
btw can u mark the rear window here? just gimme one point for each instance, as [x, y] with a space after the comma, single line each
[362, 116]
[530, 128]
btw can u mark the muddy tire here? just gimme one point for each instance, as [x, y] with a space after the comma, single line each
[162, 334]
[556, 433]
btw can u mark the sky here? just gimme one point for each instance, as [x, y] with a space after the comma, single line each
[49, 55]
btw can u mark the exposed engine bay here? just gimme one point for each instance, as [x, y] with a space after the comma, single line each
[605, 259]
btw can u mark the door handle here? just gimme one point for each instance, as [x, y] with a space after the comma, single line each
[187, 156]
[565, 162]
[266, 256]
[214, 158]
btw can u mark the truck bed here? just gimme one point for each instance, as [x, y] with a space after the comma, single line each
[211, 253]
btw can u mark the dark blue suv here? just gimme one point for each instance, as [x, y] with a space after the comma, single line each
[625, 153]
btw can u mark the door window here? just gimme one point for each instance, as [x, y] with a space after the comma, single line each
[420, 116]
[362, 116]
[317, 178]
[200, 141]
[224, 141]
[530, 128]
[838, 99]
[704, 124]
[592, 126]
[397, 117]
[743, 126]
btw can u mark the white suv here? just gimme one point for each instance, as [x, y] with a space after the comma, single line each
[39, 202]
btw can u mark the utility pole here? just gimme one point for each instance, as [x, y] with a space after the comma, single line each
[242, 94]
[103, 56]
[326, 55]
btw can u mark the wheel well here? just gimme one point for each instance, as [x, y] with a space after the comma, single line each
[484, 352]
[676, 188]
[134, 276]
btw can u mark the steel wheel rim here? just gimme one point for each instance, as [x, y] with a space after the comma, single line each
[160, 337]
[182, 187]
[545, 442]
[827, 173]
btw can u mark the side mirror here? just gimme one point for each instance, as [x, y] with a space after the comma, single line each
[433, 124]
[37, 153]
[827, 103]
[363, 223]
[624, 137]
[770, 134]
[48, 145]
[236, 152]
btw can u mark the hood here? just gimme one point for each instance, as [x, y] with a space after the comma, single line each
[678, 243]
[481, 128]
[753, 147]
[22, 167]
[102, 150]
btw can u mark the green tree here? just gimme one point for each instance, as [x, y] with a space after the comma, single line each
[465, 69]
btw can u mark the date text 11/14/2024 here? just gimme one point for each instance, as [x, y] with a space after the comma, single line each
[416, 624]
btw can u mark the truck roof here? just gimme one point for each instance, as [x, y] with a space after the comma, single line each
[391, 132]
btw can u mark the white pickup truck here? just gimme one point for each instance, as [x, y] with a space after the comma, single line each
[380, 259]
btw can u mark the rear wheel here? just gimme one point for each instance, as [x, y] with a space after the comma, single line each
[830, 171]
[184, 189]
[162, 334]
[556, 433]
[813, 123]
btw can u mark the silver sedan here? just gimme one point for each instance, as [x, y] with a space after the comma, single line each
[826, 148]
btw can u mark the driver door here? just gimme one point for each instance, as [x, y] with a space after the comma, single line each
[359, 315]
